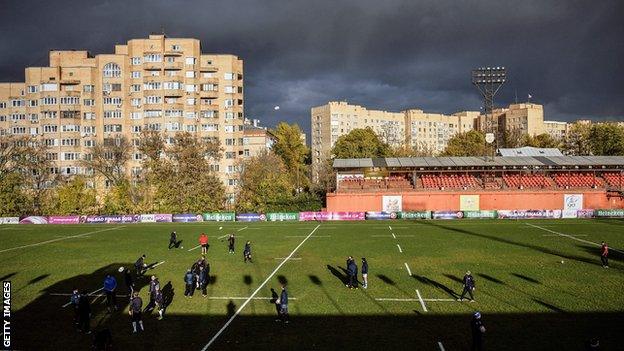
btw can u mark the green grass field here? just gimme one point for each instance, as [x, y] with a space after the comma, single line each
[540, 285]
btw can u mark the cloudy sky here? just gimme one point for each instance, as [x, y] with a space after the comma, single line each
[381, 54]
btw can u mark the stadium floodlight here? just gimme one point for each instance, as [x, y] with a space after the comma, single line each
[489, 80]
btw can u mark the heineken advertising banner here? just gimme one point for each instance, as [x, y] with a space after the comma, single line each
[250, 217]
[220, 216]
[282, 216]
[609, 213]
[381, 215]
[414, 215]
[187, 217]
[480, 214]
[447, 214]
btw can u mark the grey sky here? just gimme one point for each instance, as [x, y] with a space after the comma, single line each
[381, 54]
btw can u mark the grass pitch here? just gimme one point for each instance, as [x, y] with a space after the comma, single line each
[540, 285]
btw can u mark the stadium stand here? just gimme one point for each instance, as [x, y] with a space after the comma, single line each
[578, 180]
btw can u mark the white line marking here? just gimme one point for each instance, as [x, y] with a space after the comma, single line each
[412, 300]
[560, 235]
[303, 236]
[244, 298]
[422, 303]
[399, 246]
[156, 265]
[222, 236]
[89, 294]
[394, 236]
[571, 237]
[285, 258]
[193, 248]
[409, 271]
[393, 299]
[59, 239]
[243, 228]
[227, 324]
[390, 227]
[441, 346]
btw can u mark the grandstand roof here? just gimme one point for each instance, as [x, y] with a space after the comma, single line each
[529, 151]
[499, 161]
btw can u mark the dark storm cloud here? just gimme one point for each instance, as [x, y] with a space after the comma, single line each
[381, 54]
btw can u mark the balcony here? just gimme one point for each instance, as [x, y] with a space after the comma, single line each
[208, 94]
[153, 66]
[206, 80]
[70, 81]
[173, 92]
[174, 66]
[173, 53]
[207, 68]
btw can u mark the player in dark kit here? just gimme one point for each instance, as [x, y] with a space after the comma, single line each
[283, 306]
[478, 330]
[231, 241]
[189, 284]
[604, 255]
[173, 240]
[364, 273]
[75, 302]
[154, 286]
[247, 252]
[140, 265]
[469, 286]
[160, 304]
[84, 313]
[128, 281]
[110, 288]
[352, 272]
[135, 312]
[202, 280]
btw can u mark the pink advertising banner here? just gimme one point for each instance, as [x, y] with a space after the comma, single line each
[331, 216]
[63, 219]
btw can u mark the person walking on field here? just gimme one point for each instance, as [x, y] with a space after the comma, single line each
[604, 255]
[173, 240]
[231, 241]
[478, 331]
[135, 312]
[247, 252]
[189, 286]
[202, 280]
[154, 286]
[84, 313]
[203, 241]
[75, 302]
[283, 306]
[140, 265]
[128, 281]
[469, 286]
[110, 286]
[352, 273]
[160, 304]
[364, 273]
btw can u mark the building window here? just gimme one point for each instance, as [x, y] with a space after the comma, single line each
[136, 74]
[33, 88]
[136, 61]
[228, 76]
[111, 70]
[49, 87]
[190, 74]
[153, 58]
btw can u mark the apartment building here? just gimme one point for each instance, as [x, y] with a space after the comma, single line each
[428, 132]
[159, 83]
[256, 139]
[518, 119]
[557, 130]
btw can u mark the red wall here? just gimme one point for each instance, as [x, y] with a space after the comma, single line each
[488, 200]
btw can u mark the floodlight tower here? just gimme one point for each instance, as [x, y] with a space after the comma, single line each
[489, 80]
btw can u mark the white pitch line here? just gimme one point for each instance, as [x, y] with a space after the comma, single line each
[193, 248]
[560, 235]
[156, 265]
[412, 300]
[399, 246]
[227, 324]
[393, 299]
[59, 239]
[571, 237]
[390, 227]
[422, 303]
[284, 258]
[222, 236]
[441, 346]
[394, 236]
[303, 236]
[244, 298]
[89, 294]
[243, 228]
[409, 271]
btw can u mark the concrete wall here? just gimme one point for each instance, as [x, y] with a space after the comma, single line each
[504, 200]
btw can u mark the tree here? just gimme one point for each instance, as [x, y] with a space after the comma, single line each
[74, 198]
[12, 196]
[360, 143]
[179, 177]
[421, 149]
[607, 139]
[543, 140]
[264, 185]
[109, 159]
[40, 174]
[289, 146]
[471, 143]
[577, 140]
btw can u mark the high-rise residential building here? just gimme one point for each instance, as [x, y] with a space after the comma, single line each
[517, 119]
[557, 130]
[426, 132]
[159, 83]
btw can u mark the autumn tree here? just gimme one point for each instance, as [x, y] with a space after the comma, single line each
[293, 152]
[577, 139]
[360, 143]
[607, 139]
[109, 159]
[471, 143]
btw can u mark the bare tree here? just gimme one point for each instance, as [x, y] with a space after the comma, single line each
[109, 159]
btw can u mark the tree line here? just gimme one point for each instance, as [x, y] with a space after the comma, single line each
[177, 175]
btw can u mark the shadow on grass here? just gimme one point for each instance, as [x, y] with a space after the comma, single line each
[490, 278]
[527, 278]
[549, 306]
[436, 284]
[38, 279]
[336, 273]
[7, 276]
[247, 279]
[515, 243]
[384, 278]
